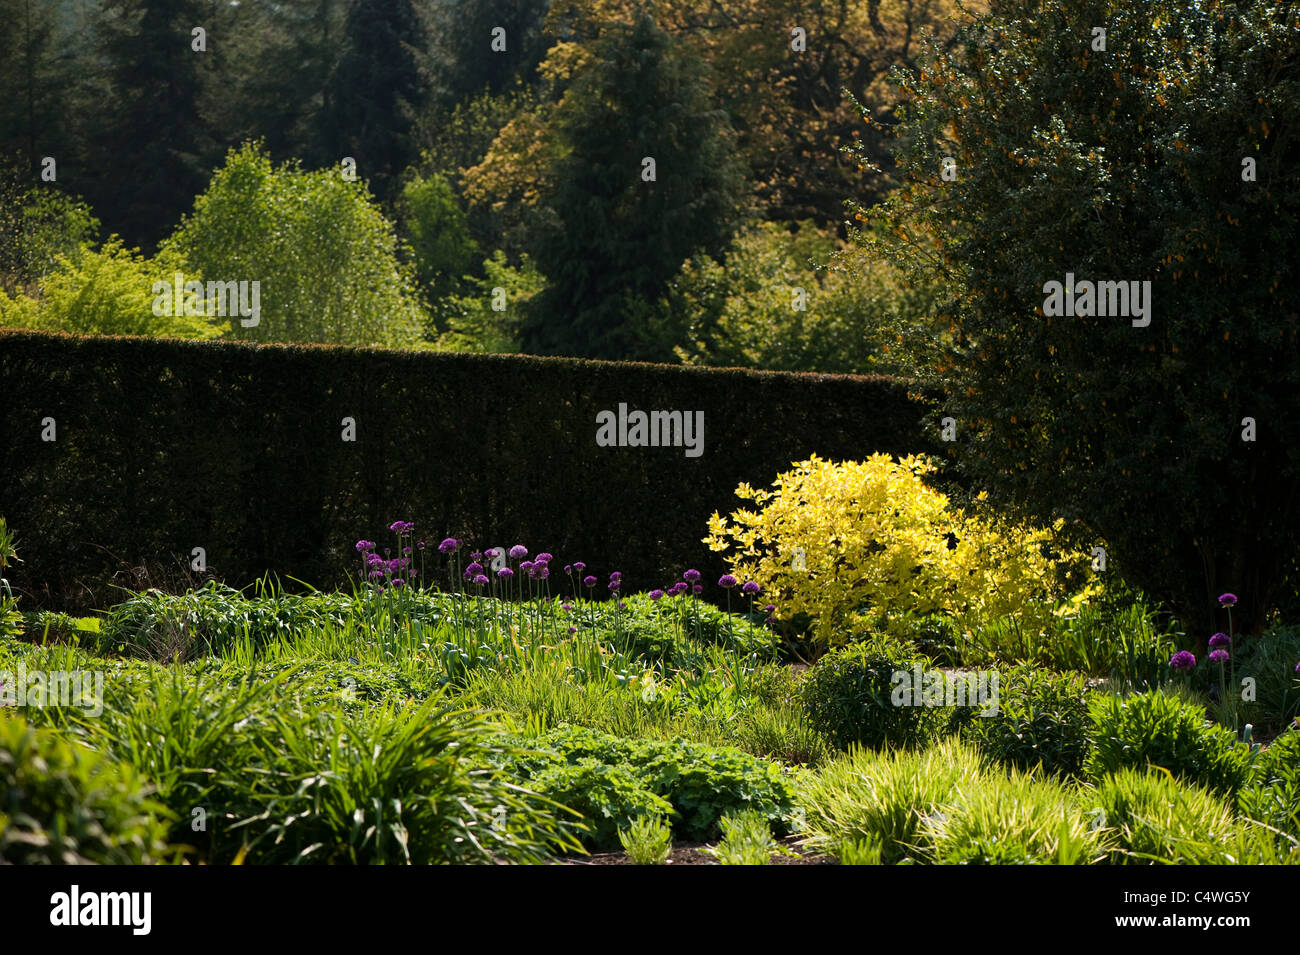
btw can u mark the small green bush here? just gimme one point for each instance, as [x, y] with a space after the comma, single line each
[62, 803]
[648, 840]
[1155, 818]
[1159, 729]
[1273, 793]
[1042, 719]
[609, 798]
[746, 840]
[848, 696]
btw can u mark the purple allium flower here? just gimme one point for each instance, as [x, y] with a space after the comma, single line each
[568, 568]
[616, 575]
[420, 545]
[406, 550]
[726, 581]
[448, 545]
[573, 630]
[589, 581]
[396, 527]
[769, 608]
[1220, 640]
[543, 572]
[505, 573]
[491, 553]
[365, 546]
[752, 588]
[375, 574]
[691, 576]
[622, 605]
[518, 551]
[697, 589]
[477, 555]
[545, 557]
[398, 581]
[480, 580]
[1297, 667]
[527, 567]
[566, 606]
[1218, 656]
[679, 588]
[388, 551]
[1227, 600]
[373, 560]
[579, 566]
[412, 573]
[615, 584]
[1183, 660]
[474, 568]
[656, 594]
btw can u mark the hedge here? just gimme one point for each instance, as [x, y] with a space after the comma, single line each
[162, 446]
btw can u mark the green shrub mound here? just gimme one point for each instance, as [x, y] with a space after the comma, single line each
[1154, 818]
[1042, 720]
[697, 784]
[848, 696]
[62, 803]
[1159, 729]
[1272, 796]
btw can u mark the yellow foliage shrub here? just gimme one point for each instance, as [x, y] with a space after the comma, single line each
[840, 542]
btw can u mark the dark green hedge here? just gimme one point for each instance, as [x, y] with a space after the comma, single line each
[167, 445]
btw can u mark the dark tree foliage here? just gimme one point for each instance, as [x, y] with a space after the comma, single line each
[1123, 164]
[375, 91]
[154, 150]
[615, 240]
[463, 61]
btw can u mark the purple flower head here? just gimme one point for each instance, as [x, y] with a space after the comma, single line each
[1227, 600]
[474, 568]
[365, 546]
[545, 557]
[566, 606]
[769, 608]
[589, 581]
[480, 580]
[691, 576]
[726, 581]
[656, 594]
[412, 573]
[616, 575]
[401, 528]
[398, 581]
[387, 551]
[505, 573]
[449, 545]
[1183, 660]
[579, 566]
[375, 574]
[1218, 656]
[1220, 640]
[518, 551]
[1297, 667]
[543, 572]
[697, 589]
[491, 553]
[477, 555]
[622, 605]
[406, 550]
[615, 584]
[678, 588]
[420, 545]
[527, 567]
[373, 560]
[752, 588]
[573, 630]
[568, 568]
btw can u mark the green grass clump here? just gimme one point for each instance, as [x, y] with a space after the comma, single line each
[746, 840]
[648, 840]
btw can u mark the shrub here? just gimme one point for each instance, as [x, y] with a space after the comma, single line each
[1011, 820]
[848, 696]
[1042, 719]
[834, 541]
[64, 804]
[1158, 729]
[1155, 818]
[1273, 793]
[610, 798]
[1270, 660]
[701, 782]
[883, 798]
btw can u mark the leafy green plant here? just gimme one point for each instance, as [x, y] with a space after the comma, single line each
[848, 696]
[648, 840]
[1014, 819]
[1272, 796]
[1156, 818]
[884, 797]
[1042, 720]
[746, 840]
[1158, 729]
[63, 803]
[609, 798]
[10, 617]
[858, 852]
